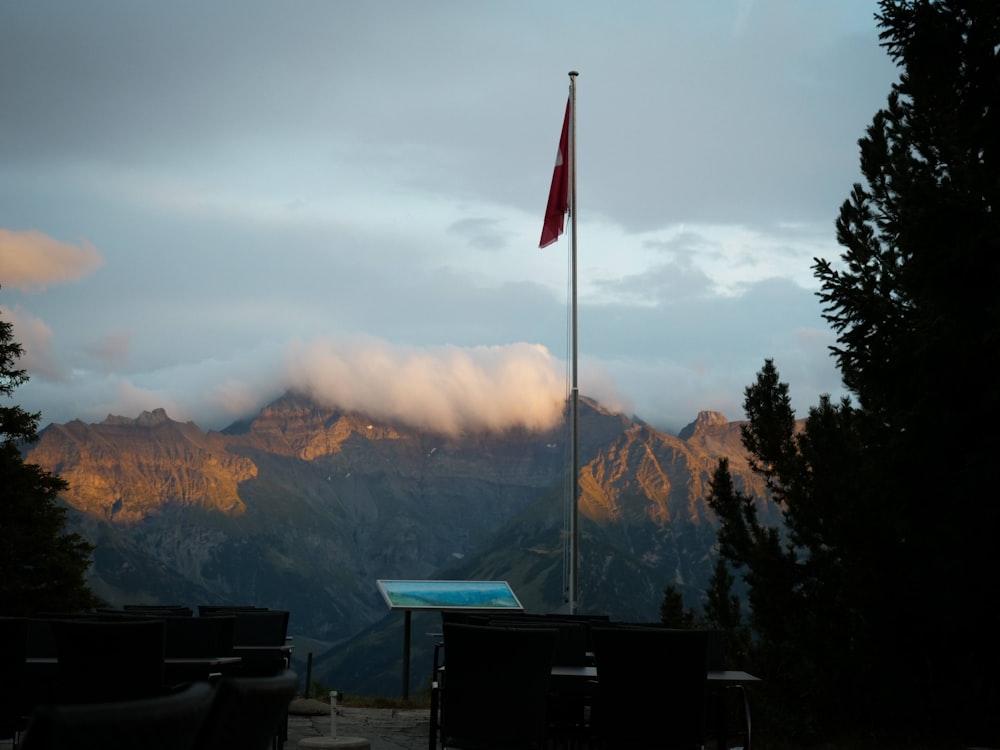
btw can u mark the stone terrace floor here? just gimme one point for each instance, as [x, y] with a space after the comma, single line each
[384, 728]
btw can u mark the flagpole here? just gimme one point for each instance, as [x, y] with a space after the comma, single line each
[575, 389]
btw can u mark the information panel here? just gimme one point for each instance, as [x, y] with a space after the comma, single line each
[448, 595]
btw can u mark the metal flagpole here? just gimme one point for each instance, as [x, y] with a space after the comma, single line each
[574, 387]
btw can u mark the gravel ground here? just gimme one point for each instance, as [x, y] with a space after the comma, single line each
[384, 728]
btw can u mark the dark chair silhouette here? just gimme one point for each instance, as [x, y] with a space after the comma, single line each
[158, 610]
[494, 689]
[15, 703]
[225, 609]
[260, 638]
[194, 639]
[568, 696]
[248, 713]
[198, 636]
[651, 688]
[108, 660]
[166, 722]
[260, 627]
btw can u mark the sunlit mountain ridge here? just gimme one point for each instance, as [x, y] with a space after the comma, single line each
[304, 507]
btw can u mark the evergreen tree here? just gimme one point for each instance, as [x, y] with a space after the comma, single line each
[724, 611]
[861, 601]
[722, 607]
[672, 611]
[914, 305]
[42, 568]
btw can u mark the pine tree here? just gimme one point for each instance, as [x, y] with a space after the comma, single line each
[890, 520]
[42, 568]
[722, 607]
[673, 614]
[914, 305]
[724, 611]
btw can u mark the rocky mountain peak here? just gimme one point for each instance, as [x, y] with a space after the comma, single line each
[704, 420]
[145, 419]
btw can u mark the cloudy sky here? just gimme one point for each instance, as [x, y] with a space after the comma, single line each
[206, 202]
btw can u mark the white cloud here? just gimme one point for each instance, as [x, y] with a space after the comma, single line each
[449, 389]
[33, 260]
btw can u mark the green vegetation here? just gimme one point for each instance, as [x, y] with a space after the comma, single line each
[319, 691]
[421, 702]
[41, 567]
[873, 607]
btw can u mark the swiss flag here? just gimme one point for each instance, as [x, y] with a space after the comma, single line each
[558, 205]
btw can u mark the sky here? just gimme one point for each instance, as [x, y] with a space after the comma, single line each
[204, 203]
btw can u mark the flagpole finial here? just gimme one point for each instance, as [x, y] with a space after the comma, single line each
[573, 74]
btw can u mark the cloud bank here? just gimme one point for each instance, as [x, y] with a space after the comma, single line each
[448, 389]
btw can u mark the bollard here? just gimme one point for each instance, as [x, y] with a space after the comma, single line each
[309, 674]
[333, 742]
[333, 713]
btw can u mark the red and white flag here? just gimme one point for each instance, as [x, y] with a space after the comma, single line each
[558, 205]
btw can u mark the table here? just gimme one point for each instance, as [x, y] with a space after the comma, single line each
[175, 669]
[719, 677]
[187, 661]
[589, 672]
[732, 676]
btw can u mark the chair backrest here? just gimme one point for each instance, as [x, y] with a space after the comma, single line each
[495, 686]
[248, 712]
[260, 640]
[198, 637]
[166, 722]
[159, 610]
[572, 644]
[651, 687]
[223, 609]
[586, 621]
[573, 640]
[108, 660]
[260, 627]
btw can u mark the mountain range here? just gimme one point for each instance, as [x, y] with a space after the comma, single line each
[304, 507]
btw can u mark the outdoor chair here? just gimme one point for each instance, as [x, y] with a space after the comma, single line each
[165, 722]
[158, 610]
[186, 640]
[651, 688]
[260, 638]
[225, 609]
[260, 627]
[569, 697]
[493, 691]
[249, 713]
[198, 636]
[108, 660]
[15, 703]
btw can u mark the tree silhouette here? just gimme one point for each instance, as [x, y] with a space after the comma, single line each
[882, 587]
[41, 567]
